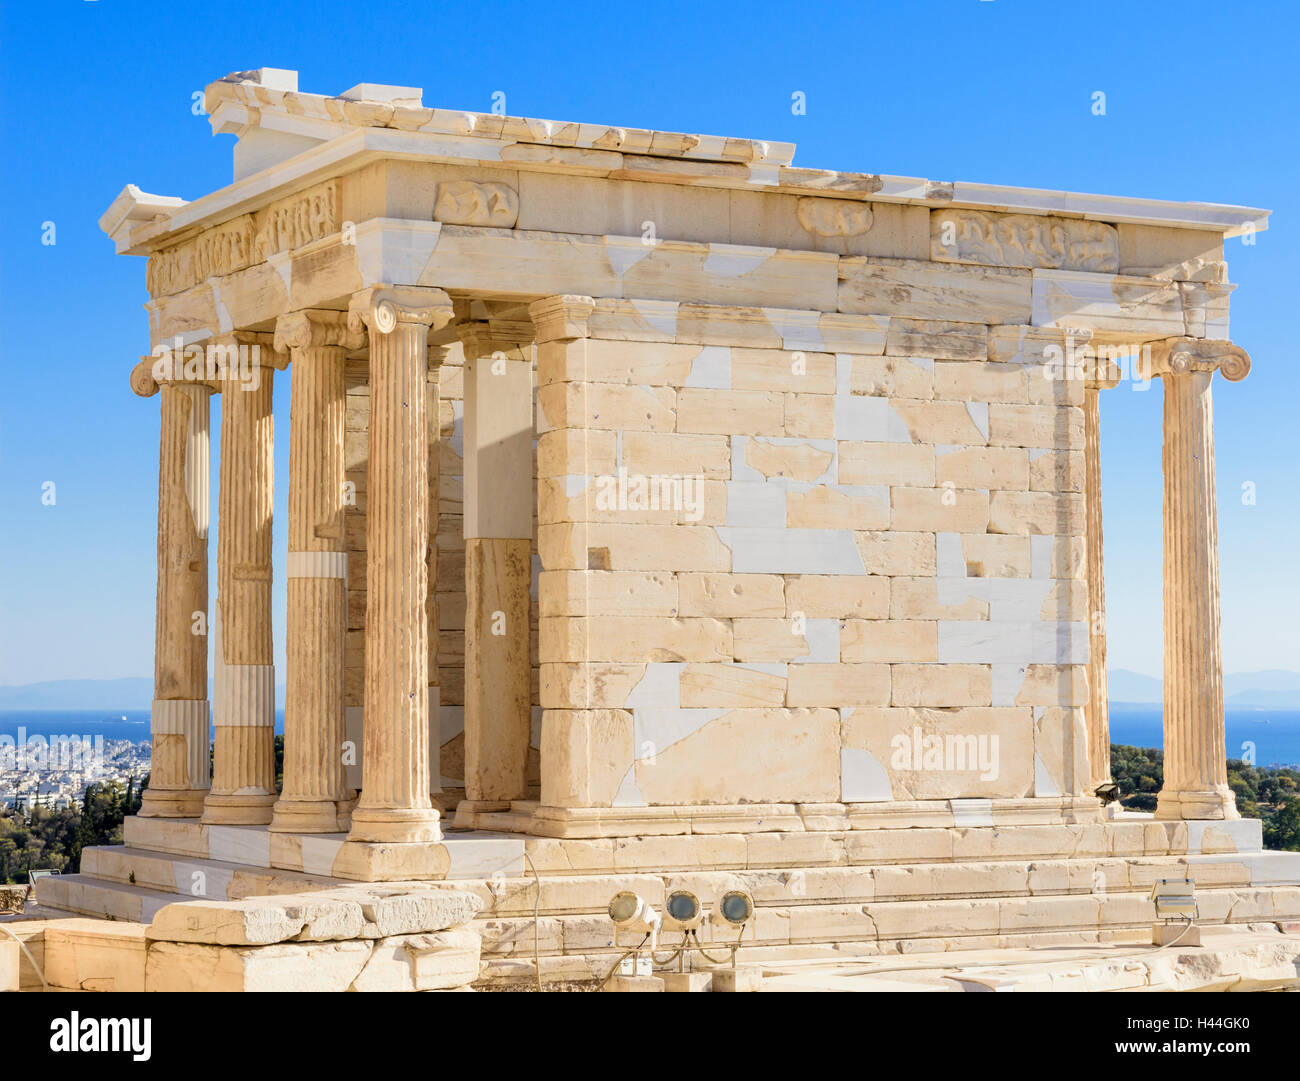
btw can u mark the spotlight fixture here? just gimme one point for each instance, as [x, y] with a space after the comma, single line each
[736, 907]
[1175, 899]
[631, 913]
[682, 911]
[1107, 793]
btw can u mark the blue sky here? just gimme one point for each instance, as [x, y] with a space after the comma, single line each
[1201, 104]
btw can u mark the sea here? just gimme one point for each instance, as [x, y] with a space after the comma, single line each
[1273, 733]
[128, 724]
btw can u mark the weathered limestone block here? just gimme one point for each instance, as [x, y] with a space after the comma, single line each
[841, 684]
[728, 595]
[571, 685]
[631, 547]
[824, 507]
[944, 423]
[889, 640]
[895, 552]
[1004, 468]
[635, 638]
[834, 596]
[1036, 426]
[941, 685]
[189, 966]
[804, 462]
[1054, 685]
[810, 416]
[892, 377]
[730, 686]
[91, 955]
[585, 756]
[423, 962]
[627, 593]
[679, 453]
[730, 412]
[1036, 512]
[927, 598]
[598, 406]
[259, 920]
[768, 755]
[907, 464]
[937, 339]
[940, 510]
[920, 289]
[785, 370]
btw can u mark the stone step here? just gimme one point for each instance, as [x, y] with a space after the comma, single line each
[97, 897]
[904, 925]
[817, 911]
[574, 894]
[190, 877]
[485, 854]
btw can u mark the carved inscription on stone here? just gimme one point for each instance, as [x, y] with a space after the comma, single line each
[284, 225]
[1023, 240]
[834, 217]
[470, 202]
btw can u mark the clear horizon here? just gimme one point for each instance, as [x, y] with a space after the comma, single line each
[77, 577]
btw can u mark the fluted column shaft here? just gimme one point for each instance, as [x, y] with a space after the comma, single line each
[243, 777]
[1098, 691]
[1195, 766]
[178, 726]
[395, 804]
[316, 574]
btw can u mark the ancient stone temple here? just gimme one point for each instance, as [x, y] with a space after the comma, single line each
[660, 514]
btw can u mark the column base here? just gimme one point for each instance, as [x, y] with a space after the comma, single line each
[1208, 804]
[394, 824]
[305, 816]
[238, 809]
[172, 802]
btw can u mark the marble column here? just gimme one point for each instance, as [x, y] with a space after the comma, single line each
[178, 723]
[394, 805]
[243, 775]
[499, 499]
[316, 572]
[1102, 377]
[1195, 770]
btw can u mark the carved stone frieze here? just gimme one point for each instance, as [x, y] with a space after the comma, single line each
[470, 202]
[290, 223]
[1023, 240]
[834, 217]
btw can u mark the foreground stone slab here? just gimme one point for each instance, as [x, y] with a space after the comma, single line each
[188, 966]
[323, 916]
[95, 955]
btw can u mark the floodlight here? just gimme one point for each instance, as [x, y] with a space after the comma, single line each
[631, 913]
[736, 907]
[1107, 793]
[682, 911]
[1175, 898]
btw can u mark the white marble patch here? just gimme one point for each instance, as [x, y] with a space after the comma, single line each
[250, 845]
[711, 368]
[755, 505]
[483, 857]
[863, 778]
[660, 688]
[791, 551]
[972, 812]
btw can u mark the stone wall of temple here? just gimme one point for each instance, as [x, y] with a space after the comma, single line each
[792, 557]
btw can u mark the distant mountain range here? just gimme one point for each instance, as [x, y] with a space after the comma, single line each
[1272, 688]
[107, 694]
[1269, 689]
